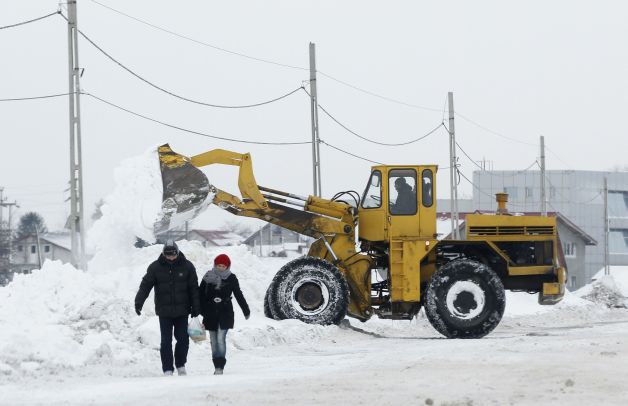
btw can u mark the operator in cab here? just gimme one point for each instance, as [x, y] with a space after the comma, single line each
[406, 198]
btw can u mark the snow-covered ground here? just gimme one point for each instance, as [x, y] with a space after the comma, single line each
[72, 337]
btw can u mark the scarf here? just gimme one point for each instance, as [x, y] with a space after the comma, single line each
[215, 277]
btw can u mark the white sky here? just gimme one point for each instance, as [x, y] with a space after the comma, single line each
[558, 69]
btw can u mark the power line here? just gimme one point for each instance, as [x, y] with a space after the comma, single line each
[492, 131]
[349, 153]
[187, 130]
[377, 142]
[268, 61]
[182, 97]
[557, 157]
[29, 21]
[35, 97]
[467, 155]
[389, 99]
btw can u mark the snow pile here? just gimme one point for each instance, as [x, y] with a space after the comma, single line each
[60, 318]
[605, 290]
[130, 211]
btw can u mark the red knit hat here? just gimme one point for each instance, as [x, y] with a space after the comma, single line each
[222, 259]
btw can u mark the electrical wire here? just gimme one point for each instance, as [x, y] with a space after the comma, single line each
[389, 99]
[36, 97]
[221, 106]
[349, 153]
[29, 21]
[206, 44]
[377, 142]
[467, 155]
[492, 131]
[187, 130]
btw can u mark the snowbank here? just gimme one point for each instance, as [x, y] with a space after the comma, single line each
[129, 212]
[608, 290]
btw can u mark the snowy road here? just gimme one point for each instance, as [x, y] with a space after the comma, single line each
[561, 358]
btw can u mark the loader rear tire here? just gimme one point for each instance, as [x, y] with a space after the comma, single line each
[311, 290]
[465, 299]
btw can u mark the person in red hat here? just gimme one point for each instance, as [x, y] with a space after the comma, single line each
[215, 292]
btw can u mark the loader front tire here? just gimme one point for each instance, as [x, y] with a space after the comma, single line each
[465, 299]
[311, 290]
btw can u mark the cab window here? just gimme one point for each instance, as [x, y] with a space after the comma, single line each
[402, 191]
[373, 194]
[427, 188]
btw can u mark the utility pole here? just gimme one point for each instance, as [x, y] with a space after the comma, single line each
[452, 169]
[316, 153]
[543, 199]
[77, 225]
[607, 267]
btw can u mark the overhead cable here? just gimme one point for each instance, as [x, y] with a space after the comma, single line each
[492, 131]
[349, 153]
[268, 61]
[467, 155]
[35, 97]
[378, 142]
[187, 130]
[29, 21]
[221, 106]
[389, 99]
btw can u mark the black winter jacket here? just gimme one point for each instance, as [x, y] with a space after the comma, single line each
[216, 304]
[176, 287]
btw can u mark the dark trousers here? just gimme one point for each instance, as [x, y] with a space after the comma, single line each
[180, 325]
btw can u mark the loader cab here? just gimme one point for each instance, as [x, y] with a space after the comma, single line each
[398, 201]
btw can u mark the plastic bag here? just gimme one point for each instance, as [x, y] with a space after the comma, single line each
[196, 331]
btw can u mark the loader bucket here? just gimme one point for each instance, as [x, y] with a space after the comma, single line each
[185, 190]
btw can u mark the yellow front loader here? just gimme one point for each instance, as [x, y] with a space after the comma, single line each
[380, 255]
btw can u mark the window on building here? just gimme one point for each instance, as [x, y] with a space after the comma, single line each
[529, 192]
[569, 249]
[33, 249]
[512, 191]
[20, 248]
[46, 248]
[573, 281]
[618, 241]
[618, 204]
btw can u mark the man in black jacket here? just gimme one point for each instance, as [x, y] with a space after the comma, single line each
[176, 295]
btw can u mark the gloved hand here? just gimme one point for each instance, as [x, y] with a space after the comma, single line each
[247, 316]
[138, 311]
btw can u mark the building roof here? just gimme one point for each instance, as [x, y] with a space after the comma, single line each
[61, 239]
[219, 237]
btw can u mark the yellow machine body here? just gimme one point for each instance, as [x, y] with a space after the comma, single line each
[396, 223]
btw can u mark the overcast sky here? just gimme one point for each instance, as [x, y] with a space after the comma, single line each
[558, 69]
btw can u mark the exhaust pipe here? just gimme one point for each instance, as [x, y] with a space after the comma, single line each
[502, 199]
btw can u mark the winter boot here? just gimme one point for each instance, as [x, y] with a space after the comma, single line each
[168, 373]
[218, 371]
[181, 371]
